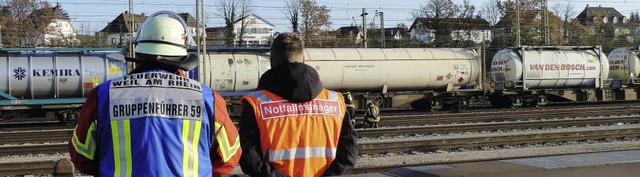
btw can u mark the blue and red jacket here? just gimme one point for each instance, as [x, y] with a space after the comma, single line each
[154, 123]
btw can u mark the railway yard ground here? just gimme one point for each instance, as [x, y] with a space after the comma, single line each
[405, 138]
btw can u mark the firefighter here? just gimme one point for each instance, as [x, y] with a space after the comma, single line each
[154, 121]
[292, 126]
[371, 115]
[351, 108]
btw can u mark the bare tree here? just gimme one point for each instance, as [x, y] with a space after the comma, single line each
[566, 11]
[466, 10]
[491, 12]
[233, 11]
[437, 9]
[314, 18]
[531, 24]
[24, 22]
[87, 37]
[443, 29]
[292, 12]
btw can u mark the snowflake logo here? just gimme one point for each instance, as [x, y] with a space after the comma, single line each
[19, 73]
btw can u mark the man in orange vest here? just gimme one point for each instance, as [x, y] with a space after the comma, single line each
[293, 126]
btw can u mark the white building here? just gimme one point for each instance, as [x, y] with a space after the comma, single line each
[60, 32]
[477, 30]
[117, 31]
[258, 32]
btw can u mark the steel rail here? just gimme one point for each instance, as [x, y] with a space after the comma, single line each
[61, 135]
[456, 128]
[490, 141]
[33, 149]
[21, 137]
[384, 168]
[497, 117]
[28, 167]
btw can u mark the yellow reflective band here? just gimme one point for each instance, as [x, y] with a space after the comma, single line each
[226, 148]
[121, 138]
[88, 148]
[116, 148]
[196, 140]
[217, 126]
[190, 140]
[186, 148]
[127, 146]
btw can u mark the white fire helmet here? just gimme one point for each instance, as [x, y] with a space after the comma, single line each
[165, 34]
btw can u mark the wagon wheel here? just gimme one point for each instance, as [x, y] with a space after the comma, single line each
[516, 101]
[378, 100]
[434, 105]
[68, 116]
[541, 101]
[462, 104]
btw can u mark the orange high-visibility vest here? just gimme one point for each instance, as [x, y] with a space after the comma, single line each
[300, 139]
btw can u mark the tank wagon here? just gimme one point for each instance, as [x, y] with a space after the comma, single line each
[624, 73]
[53, 80]
[533, 75]
[435, 77]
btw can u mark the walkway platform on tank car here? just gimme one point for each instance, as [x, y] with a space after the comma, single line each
[610, 164]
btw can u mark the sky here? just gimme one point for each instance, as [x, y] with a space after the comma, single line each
[92, 15]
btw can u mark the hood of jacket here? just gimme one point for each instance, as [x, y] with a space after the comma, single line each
[296, 82]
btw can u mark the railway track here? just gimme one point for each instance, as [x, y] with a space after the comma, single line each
[29, 167]
[35, 136]
[44, 125]
[393, 145]
[447, 143]
[479, 127]
[62, 135]
[434, 119]
[51, 148]
[45, 167]
[13, 142]
[384, 168]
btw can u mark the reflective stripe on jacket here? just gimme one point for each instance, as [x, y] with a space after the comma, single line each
[349, 100]
[300, 139]
[156, 124]
[372, 114]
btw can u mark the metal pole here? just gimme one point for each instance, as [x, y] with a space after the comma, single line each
[204, 38]
[546, 23]
[1, 37]
[131, 28]
[518, 23]
[382, 29]
[364, 27]
[200, 48]
[204, 27]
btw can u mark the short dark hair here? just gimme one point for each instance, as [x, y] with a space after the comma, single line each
[287, 48]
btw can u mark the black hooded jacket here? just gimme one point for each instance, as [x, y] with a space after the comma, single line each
[296, 82]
